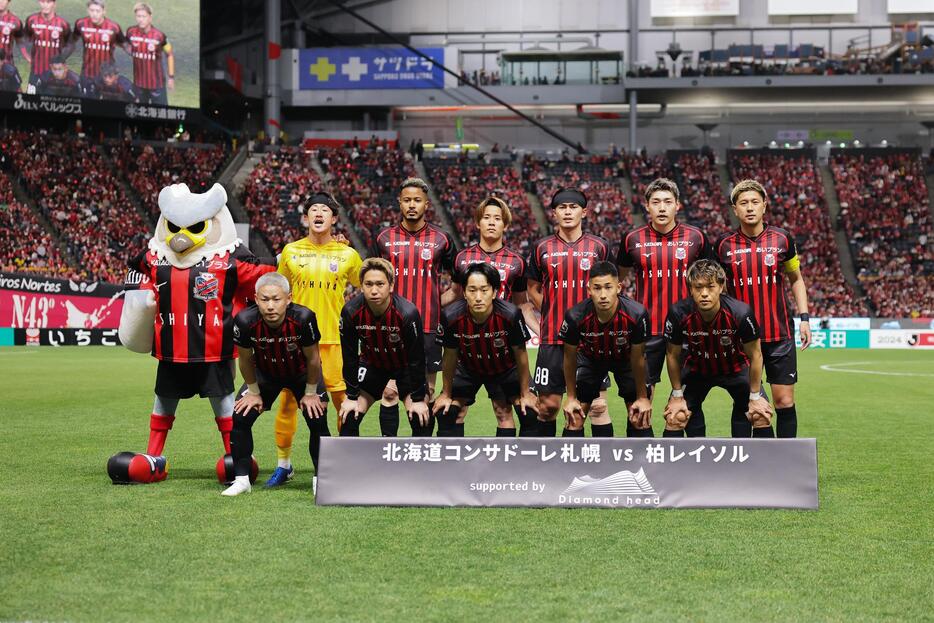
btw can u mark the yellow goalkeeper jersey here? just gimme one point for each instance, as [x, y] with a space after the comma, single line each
[319, 274]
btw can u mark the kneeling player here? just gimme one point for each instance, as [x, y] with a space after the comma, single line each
[277, 341]
[484, 344]
[381, 339]
[722, 340]
[605, 333]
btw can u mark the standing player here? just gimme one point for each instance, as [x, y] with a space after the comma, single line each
[419, 252]
[319, 269]
[146, 44]
[99, 35]
[756, 257]
[484, 344]
[557, 274]
[382, 339]
[492, 217]
[722, 339]
[604, 333]
[11, 30]
[49, 35]
[277, 341]
[660, 253]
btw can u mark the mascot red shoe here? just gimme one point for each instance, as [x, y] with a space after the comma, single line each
[197, 276]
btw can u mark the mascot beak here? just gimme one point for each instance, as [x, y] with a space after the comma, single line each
[183, 240]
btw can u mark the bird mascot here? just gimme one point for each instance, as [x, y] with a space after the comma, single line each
[196, 276]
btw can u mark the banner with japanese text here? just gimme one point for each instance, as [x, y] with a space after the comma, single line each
[28, 302]
[574, 473]
[369, 68]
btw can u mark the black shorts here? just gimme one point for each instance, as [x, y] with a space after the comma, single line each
[696, 388]
[592, 375]
[503, 387]
[374, 380]
[655, 349]
[781, 362]
[432, 354]
[270, 388]
[184, 380]
[549, 371]
[153, 96]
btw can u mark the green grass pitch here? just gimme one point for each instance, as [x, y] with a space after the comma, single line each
[76, 548]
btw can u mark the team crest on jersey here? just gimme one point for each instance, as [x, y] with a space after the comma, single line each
[55, 34]
[585, 263]
[6, 30]
[502, 274]
[291, 346]
[152, 47]
[395, 338]
[206, 287]
[426, 254]
[105, 37]
[620, 340]
[726, 340]
[770, 259]
[499, 342]
[333, 266]
[681, 253]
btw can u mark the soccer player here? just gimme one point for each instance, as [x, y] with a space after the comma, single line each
[659, 253]
[722, 350]
[484, 345]
[493, 217]
[319, 268]
[11, 31]
[757, 259]
[9, 75]
[146, 44]
[277, 341]
[382, 339]
[99, 35]
[59, 80]
[419, 252]
[110, 85]
[557, 274]
[49, 34]
[605, 333]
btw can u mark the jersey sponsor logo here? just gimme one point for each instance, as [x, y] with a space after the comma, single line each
[769, 259]
[681, 253]
[425, 254]
[649, 254]
[236, 331]
[206, 287]
[738, 262]
[555, 265]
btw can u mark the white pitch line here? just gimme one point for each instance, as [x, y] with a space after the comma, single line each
[834, 368]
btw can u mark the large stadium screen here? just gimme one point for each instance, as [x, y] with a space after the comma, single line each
[101, 57]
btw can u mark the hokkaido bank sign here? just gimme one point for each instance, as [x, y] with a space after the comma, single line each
[574, 473]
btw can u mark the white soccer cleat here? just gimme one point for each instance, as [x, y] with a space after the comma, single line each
[239, 486]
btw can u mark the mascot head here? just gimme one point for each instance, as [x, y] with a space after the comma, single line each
[193, 227]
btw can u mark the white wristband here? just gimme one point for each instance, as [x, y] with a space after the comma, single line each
[252, 388]
[755, 395]
[311, 390]
[677, 393]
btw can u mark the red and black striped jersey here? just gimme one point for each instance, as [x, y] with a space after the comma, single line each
[393, 342]
[195, 307]
[610, 341]
[715, 348]
[11, 29]
[419, 258]
[510, 265]
[484, 349]
[278, 352]
[48, 37]
[99, 41]
[660, 262]
[146, 50]
[562, 269]
[755, 275]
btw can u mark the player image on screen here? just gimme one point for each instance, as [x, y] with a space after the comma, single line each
[418, 251]
[59, 80]
[99, 35]
[277, 343]
[605, 333]
[11, 32]
[659, 254]
[757, 259]
[484, 345]
[492, 217]
[382, 339]
[557, 274]
[9, 76]
[110, 85]
[319, 267]
[146, 44]
[49, 34]
[720, 336]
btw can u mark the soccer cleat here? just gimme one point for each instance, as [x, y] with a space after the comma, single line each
[280, 477]
[238, 487]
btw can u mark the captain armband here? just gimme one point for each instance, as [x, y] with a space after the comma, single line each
[792, 265]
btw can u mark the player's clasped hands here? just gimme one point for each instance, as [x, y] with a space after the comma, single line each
[248, 401]
[312, 405]
[760, 412]
[676, 413]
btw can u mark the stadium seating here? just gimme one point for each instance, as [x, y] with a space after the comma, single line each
[462, 183]
[699, 184]
[796, 202]
[25, 245]
[642, 170]
[885, 213]
[72, 185]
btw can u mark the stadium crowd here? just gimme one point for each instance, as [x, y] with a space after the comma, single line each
[25, 245]
[701, 194]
